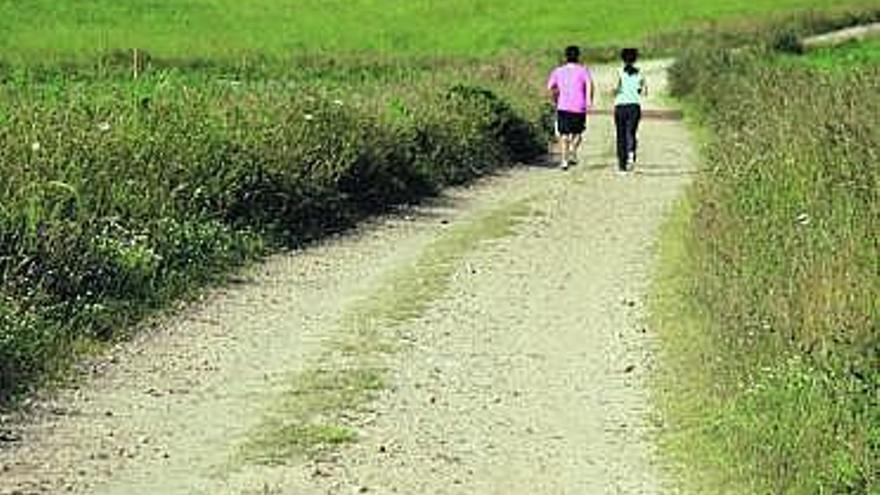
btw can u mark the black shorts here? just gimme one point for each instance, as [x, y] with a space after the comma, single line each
[570, 122]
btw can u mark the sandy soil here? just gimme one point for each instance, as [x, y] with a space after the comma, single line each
[525, 373]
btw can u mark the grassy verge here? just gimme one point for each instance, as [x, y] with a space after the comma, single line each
[767, 302]
[121, 196]
[686, 382]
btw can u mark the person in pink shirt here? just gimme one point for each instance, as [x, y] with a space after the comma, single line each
[571, 87]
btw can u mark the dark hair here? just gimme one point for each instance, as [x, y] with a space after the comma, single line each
[629, 57]
[572, 53]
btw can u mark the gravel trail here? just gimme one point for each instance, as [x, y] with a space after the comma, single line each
[519, 366]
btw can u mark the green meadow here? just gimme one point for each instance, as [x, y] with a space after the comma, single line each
[49, 29]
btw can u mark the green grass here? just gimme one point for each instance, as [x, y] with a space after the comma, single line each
[785, 427]
[767, 300]
[111, 207]
[305, 423]
[845, 57]
[49, 29]
[685, 383]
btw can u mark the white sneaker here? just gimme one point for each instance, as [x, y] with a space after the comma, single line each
[563, 165]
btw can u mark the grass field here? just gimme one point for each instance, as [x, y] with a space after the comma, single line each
[50, 29]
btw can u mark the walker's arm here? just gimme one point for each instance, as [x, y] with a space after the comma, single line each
[554, 94]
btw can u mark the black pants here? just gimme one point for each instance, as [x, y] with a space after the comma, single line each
[626, 119]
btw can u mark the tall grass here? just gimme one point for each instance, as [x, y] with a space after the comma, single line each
[117, 197]
[782, 265]
[47, 29]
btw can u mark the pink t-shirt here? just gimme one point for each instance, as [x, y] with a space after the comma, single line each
[573, 81]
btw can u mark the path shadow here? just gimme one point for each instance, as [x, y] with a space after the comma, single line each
[550, 160]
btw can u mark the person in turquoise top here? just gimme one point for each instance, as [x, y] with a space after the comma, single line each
[631, 87]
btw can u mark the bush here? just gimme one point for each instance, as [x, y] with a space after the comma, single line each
[27, 344]
[120, 197]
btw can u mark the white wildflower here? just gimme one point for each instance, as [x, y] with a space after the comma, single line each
[803, 219]
[35, 146]
[104, 126]
[309, 117]
[338, 103]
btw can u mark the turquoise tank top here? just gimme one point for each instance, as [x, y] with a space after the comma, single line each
[629, 93]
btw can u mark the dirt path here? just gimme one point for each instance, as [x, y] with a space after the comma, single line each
[504, 322]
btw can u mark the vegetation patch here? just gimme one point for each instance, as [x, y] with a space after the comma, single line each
[117, 199]
[843, 58]
[306, 422]
[769, 318]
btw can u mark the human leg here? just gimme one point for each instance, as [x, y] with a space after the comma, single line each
[637, 118]
[575, 147]
[566, 149]
[571, 125]
[620, 126]
[630, 123]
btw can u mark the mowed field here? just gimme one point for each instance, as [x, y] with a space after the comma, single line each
[40, 30]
